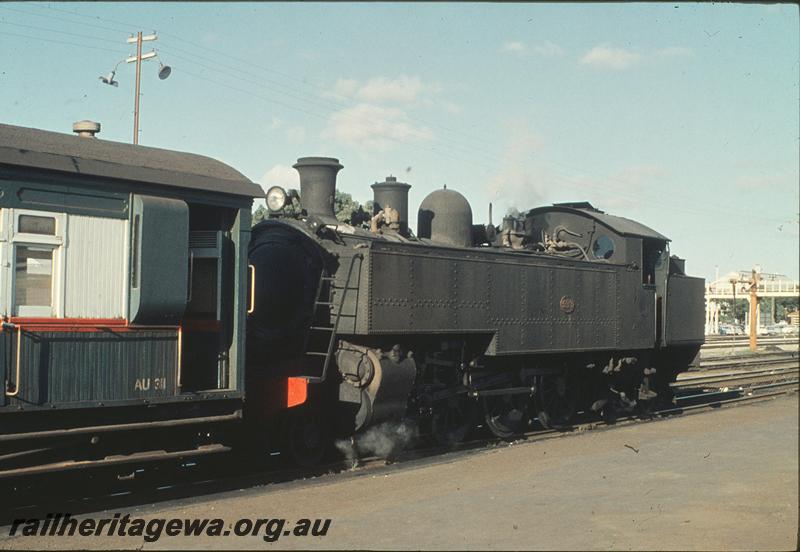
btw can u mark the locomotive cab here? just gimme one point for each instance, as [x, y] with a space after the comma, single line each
[600, 237]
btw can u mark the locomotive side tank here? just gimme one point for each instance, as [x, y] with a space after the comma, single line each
[564, 308]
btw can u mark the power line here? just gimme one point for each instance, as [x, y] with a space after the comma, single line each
[339, 105]
[472, 150]
[87, 46]
[59, 32]
[314, 114]
[320, 104]
[102, 28]
[250, 64]
[237, 75]
[121, 23]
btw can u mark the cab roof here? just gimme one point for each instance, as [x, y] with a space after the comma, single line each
[620, 225]
[54, 151]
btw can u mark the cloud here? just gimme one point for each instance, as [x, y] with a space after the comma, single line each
[373, 127]
[451, 107]
[280, 175]
[674, 51]
[402, 90]
[544, 49]
[210, 38]
[519, 183]
[606, 57]
[637, 175]
[775, 8]
[345, 87]
[295, 135]
[548, 49]
[517, 47]
[617, 59]
[783, 183]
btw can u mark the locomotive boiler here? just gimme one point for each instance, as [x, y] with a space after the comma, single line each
[561, 309]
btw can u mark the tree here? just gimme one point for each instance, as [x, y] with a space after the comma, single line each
[783, 306]
[347, 210]
[344, 206]
[350, 211]
[259, 214]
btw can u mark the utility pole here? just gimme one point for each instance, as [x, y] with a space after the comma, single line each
[733, 282]
[138, 39]
[163, 72]
[754, 310]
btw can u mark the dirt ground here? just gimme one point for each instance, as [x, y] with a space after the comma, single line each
[722, 480]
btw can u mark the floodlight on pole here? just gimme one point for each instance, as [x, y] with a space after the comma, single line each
[163, 72]
[109, 78]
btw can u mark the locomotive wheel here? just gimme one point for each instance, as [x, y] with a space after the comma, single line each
[306, 437]
[557, 400]
[505, 415]
[452, 420]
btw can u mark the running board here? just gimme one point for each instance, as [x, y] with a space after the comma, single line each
[149, 456]
[497, 392]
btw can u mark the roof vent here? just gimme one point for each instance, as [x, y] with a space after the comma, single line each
[87, 129]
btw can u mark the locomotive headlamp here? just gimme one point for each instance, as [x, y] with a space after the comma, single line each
[276, 198]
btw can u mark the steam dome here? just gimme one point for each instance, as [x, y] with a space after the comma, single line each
[445, 217]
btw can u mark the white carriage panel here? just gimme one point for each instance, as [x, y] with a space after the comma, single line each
[96, 272]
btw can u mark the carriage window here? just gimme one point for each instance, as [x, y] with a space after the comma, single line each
[34, 276]
[603, 247]
[31, 224]
[34, 263]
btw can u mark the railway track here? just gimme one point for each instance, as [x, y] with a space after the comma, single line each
[195, 480]
[730, 341]
[724, 362]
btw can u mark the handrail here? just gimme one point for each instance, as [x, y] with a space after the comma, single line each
[18, 359]
[252, 307]
[191, 276]
[180, 355]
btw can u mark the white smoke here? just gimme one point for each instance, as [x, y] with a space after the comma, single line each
[384, 440]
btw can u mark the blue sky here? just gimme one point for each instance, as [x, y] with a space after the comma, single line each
[682, 116]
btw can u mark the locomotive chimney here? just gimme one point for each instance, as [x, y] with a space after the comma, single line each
[318, 186]
[394, 194]
[87, 129]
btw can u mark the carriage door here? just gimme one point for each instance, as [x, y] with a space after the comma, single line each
[208, 321]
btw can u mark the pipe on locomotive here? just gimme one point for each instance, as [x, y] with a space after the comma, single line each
[318, 186]
[444, 216]
[394, 194]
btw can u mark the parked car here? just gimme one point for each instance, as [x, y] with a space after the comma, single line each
[730, 329]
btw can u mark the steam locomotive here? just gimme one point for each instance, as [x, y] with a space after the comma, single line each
[144, 319]
[561, 309]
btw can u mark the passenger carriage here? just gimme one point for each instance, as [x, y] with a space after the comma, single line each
[123, 294]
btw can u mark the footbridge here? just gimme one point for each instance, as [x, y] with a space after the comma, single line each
[737, 285]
